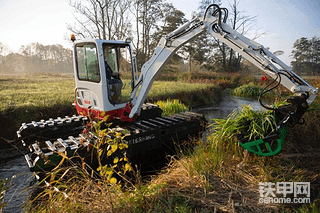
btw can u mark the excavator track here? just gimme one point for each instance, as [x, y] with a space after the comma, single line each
[150, 140]
[50, 129]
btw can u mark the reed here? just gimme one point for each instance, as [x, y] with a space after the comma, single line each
[171, 106]
[247, 90]
[253, 124]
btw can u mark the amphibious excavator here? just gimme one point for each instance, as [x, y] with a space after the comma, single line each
[101, 93]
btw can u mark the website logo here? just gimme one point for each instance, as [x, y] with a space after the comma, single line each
[269, 191]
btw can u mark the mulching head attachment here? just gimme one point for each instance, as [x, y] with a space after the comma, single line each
[268, 146]
[287, 116]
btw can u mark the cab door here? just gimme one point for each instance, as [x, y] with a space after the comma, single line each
[88, 79]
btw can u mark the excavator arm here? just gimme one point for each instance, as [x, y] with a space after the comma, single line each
[165, 49]
[214, 23]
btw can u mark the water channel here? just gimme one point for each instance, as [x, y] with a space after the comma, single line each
[20, 178]
[19, 181]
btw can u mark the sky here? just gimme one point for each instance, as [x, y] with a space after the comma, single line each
[27, 21]
[45, 21]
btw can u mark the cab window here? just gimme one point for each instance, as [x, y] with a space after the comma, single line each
[118, 72]
[87, 62]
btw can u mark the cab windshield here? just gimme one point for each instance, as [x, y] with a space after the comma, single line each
[117, 58]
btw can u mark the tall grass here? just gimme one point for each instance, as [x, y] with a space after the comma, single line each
[171, 106]
[217, 177]
[222, 156]
[247, 90]
[222, 147]
[252, 124]
[3, 189]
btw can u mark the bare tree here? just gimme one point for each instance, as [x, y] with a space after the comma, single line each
[4, 50]
[149, 15]
[243, 24]
[103, 19]
[135, 11]
[225, 57]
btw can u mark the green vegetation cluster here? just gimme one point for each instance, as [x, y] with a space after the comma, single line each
[252, 124]
[247, 90]
[170, 107]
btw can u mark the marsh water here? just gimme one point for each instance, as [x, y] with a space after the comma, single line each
[226, 106]
[20, 178]
[19, 181]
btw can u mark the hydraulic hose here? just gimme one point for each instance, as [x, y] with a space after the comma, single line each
[216, 10]
[264, 92]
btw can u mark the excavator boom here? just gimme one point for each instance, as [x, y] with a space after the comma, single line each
[214, 24]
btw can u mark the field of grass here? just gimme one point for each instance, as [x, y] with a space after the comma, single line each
[47, 90]
[35, 90]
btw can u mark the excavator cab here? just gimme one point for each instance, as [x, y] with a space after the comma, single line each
[104, 75]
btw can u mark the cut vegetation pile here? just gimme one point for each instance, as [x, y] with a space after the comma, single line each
[253, 125]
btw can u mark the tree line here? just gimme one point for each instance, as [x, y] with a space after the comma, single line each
[146, 21]
[36, 57]
[306, 55]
